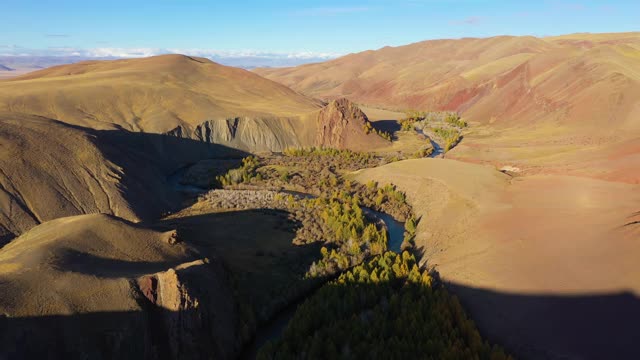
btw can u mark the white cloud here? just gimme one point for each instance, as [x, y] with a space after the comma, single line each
[122, 52]
[241, 58]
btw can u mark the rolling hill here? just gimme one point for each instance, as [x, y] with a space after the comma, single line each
[185, 96]
[554, 105]
[74, 136]
[95, 286]
[503, 80]
[527, 254]
[153, 94]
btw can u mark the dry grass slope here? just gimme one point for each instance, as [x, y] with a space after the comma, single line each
[505, 79]
[153, 94]
[560, 105]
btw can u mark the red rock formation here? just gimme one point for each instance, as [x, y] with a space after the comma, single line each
[342, 125]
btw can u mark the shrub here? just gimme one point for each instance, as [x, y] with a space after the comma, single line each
[451, 137]
[243, 174]
[455, 120]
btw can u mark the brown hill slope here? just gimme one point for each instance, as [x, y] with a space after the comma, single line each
[94, 286]
[586, 80]
[187, 97]
[153, 94]
[531, 253]
[49, 169]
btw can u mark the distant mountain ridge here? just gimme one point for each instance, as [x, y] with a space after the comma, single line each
[504, 80]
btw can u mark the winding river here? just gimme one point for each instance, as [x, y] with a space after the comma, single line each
[437, 149]
[395, 229]
[276, 326]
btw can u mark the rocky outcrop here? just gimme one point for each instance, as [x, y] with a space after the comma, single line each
[341, 124]
[191, 312]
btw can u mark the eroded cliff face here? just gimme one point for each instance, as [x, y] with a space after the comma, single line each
[341, 124]
[250, 134]
[191, 312]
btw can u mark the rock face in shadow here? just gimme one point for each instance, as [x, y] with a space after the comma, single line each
[49, 169]
[98, 287]
[193, 307]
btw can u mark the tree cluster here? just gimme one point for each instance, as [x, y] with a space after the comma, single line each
[455, 120]
[337, 221]
[382, 309]
[410, 227]
[245, 173]
[450, 136]
[368, 128]
[335, 216]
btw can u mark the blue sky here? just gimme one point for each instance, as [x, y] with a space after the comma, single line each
[286, 27]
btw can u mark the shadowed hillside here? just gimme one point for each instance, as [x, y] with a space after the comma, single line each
[95, 286]
[49, 169]
[555, 326]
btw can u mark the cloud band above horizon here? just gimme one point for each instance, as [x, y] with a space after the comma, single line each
[241, 58]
